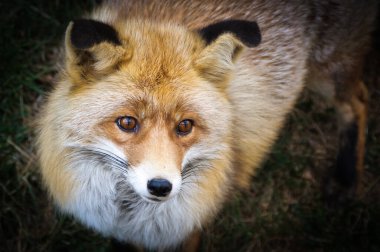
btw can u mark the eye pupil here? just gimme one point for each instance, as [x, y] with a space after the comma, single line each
[184, 127]
[127, 123]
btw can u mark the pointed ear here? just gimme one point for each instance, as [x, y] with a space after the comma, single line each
[92, 48]
[225, 40]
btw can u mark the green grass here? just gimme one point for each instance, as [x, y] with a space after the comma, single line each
[282, 211]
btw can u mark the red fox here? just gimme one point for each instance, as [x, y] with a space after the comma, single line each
[163, 108]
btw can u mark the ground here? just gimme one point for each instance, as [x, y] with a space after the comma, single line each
[284, 209]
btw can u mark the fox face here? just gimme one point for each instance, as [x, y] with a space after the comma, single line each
[156, 113]
[152, 130]
[137, 135]
[144, 158]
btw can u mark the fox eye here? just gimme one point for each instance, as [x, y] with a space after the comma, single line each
[185, 127]
[127, 123]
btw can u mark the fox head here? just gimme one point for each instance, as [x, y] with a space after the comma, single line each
[144, 102]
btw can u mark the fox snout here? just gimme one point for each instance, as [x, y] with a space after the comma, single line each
[159, 187]
[153, 183]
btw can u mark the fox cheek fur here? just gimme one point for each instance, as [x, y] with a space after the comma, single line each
[161, 109]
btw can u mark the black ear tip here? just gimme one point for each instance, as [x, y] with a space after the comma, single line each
[85, 33]
[78, 33]
[247, 31]
[253, 34]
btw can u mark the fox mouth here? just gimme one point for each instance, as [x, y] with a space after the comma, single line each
[154, 199]
[127, 189]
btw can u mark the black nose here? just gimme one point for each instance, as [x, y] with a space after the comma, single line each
[159, 187]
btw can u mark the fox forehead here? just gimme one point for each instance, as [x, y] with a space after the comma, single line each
[160, 53]
[169, 99]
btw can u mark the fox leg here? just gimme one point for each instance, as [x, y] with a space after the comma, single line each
[351, 106]
[192, 243]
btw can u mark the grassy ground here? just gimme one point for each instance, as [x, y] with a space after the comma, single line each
[283, 211]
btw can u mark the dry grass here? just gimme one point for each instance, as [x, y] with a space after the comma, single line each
[283, 211]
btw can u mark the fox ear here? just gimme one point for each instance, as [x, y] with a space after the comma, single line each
[93, 48]
[224, 42]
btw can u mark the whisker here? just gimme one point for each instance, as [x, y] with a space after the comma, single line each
[193, 172]
[102, 156]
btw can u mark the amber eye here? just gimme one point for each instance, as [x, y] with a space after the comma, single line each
[185, 127]
[127, 123]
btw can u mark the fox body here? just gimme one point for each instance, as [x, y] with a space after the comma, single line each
[164, 107]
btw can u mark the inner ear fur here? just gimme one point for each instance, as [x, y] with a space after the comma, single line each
[225, 41]
[215, 62]
[93, 49]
